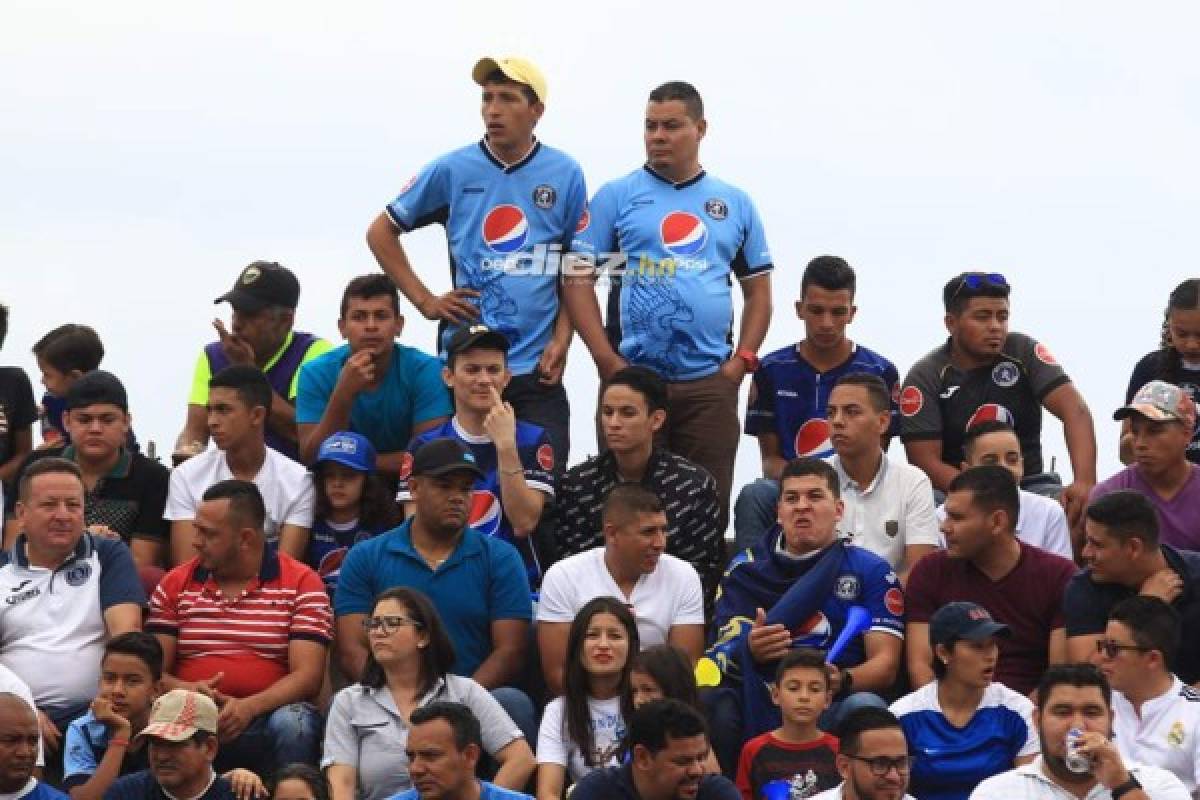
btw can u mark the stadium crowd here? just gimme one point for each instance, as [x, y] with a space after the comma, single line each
[372, 571]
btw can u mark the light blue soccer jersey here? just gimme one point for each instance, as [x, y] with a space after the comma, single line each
[506, 229]
[670, 306]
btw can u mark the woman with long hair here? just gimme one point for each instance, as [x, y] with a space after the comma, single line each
[583, 729]
[408, 666]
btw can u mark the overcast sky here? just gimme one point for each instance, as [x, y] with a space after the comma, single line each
[148, 151]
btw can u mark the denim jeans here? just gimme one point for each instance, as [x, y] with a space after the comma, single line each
[754, 512]
[288, 735]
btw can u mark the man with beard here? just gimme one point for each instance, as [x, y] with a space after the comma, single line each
[872, 758]
[1076, 696]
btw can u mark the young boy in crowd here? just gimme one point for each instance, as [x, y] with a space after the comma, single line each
[64, 355]
[798, 754]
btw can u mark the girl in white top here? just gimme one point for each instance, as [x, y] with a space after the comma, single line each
[582, 730]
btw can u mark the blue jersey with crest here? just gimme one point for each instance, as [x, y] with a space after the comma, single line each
[791, 398]
[670, 306]
[506, 228]
[486, 512]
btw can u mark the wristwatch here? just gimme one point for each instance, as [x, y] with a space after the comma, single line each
[749, 359]
[1125, 788]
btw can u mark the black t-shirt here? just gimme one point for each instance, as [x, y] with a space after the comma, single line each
[130, 499]
[17, 412]
[1153, 367]
[940, 401]
[616, 783]
[1087, 604]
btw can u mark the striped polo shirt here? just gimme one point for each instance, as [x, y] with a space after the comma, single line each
[247, 637]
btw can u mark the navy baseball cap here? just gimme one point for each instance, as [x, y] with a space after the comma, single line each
[472, 336]
[443, 456]
[963, 620]
[263, 284]
[348, 449]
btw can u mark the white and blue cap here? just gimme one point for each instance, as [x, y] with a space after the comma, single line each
[348, 449]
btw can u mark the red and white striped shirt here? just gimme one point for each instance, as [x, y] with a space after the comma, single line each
[246, 638]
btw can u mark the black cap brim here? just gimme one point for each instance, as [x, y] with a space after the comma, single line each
[447, 469]
[242, 301]
[490, 340]
[984, 629]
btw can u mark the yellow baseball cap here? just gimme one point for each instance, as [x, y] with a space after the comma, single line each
[521, 70]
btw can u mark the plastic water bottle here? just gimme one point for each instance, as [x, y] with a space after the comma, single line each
[1076, 761]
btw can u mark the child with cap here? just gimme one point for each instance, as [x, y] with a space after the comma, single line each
[353, 504]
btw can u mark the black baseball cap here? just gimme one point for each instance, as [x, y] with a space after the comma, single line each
[443, 456]
[95, 388]
[963, 620]
[262, 284]
[472, 336]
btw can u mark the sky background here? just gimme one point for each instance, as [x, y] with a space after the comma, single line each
[148, 151]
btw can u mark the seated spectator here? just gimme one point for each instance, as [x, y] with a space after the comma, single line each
[352, 503]
[371, 385]
[477, 583]
[985, 563]
[963, 727]
[1162, 418]
[443, 752]
[515, 457]
[407, 668]
[181, 742]
[661, 672]
[99, 745]
[984, 371]
[238, 402]
[582, 729]
[1176, 361]
[19, 748]
[633, 408]
[786, 411]
[667, 745]
[263, 299]
[873, 758]
[11, 684]
[125, 492]
[661, 591]
[1041, 521]
[300, 782]
[1123, 558]
[18, 412]
[1078, 696]
[249, 624]
[797, 758]
[68, 592]
[795, 588]
[888, 503]
[1156, 716]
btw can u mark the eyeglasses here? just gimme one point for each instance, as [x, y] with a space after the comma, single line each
[1110, 649]
[880, 765]
[390, 624]
[977, 280]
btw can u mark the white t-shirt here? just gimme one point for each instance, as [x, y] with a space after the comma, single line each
[554, 745]
[1041, 522]
[671, 595]
[1167, 735]
[286, 488]
[1030, 782]
[836, 794]
[894, 511]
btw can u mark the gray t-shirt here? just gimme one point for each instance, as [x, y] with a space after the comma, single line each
[365, 731]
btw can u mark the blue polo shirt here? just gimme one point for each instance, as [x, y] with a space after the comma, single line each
[482, 581]
[411, 392]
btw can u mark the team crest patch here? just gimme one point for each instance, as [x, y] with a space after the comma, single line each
[847, 587]
[891, 527]
[250, 275]
[545, 457]
[1176, 735]
[911, 401]
[78, 574]
[1044, 355]
[716, 208]
[894, 600]
[544, 196]
[1005, 374]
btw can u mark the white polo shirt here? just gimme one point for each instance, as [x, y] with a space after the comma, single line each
[1041, 522]
[893, 511]
[670, 595]
[286, 488]
[1030, 782]
[52, 629]
[1166, 735]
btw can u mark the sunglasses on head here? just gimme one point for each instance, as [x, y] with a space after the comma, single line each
[978, 280]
